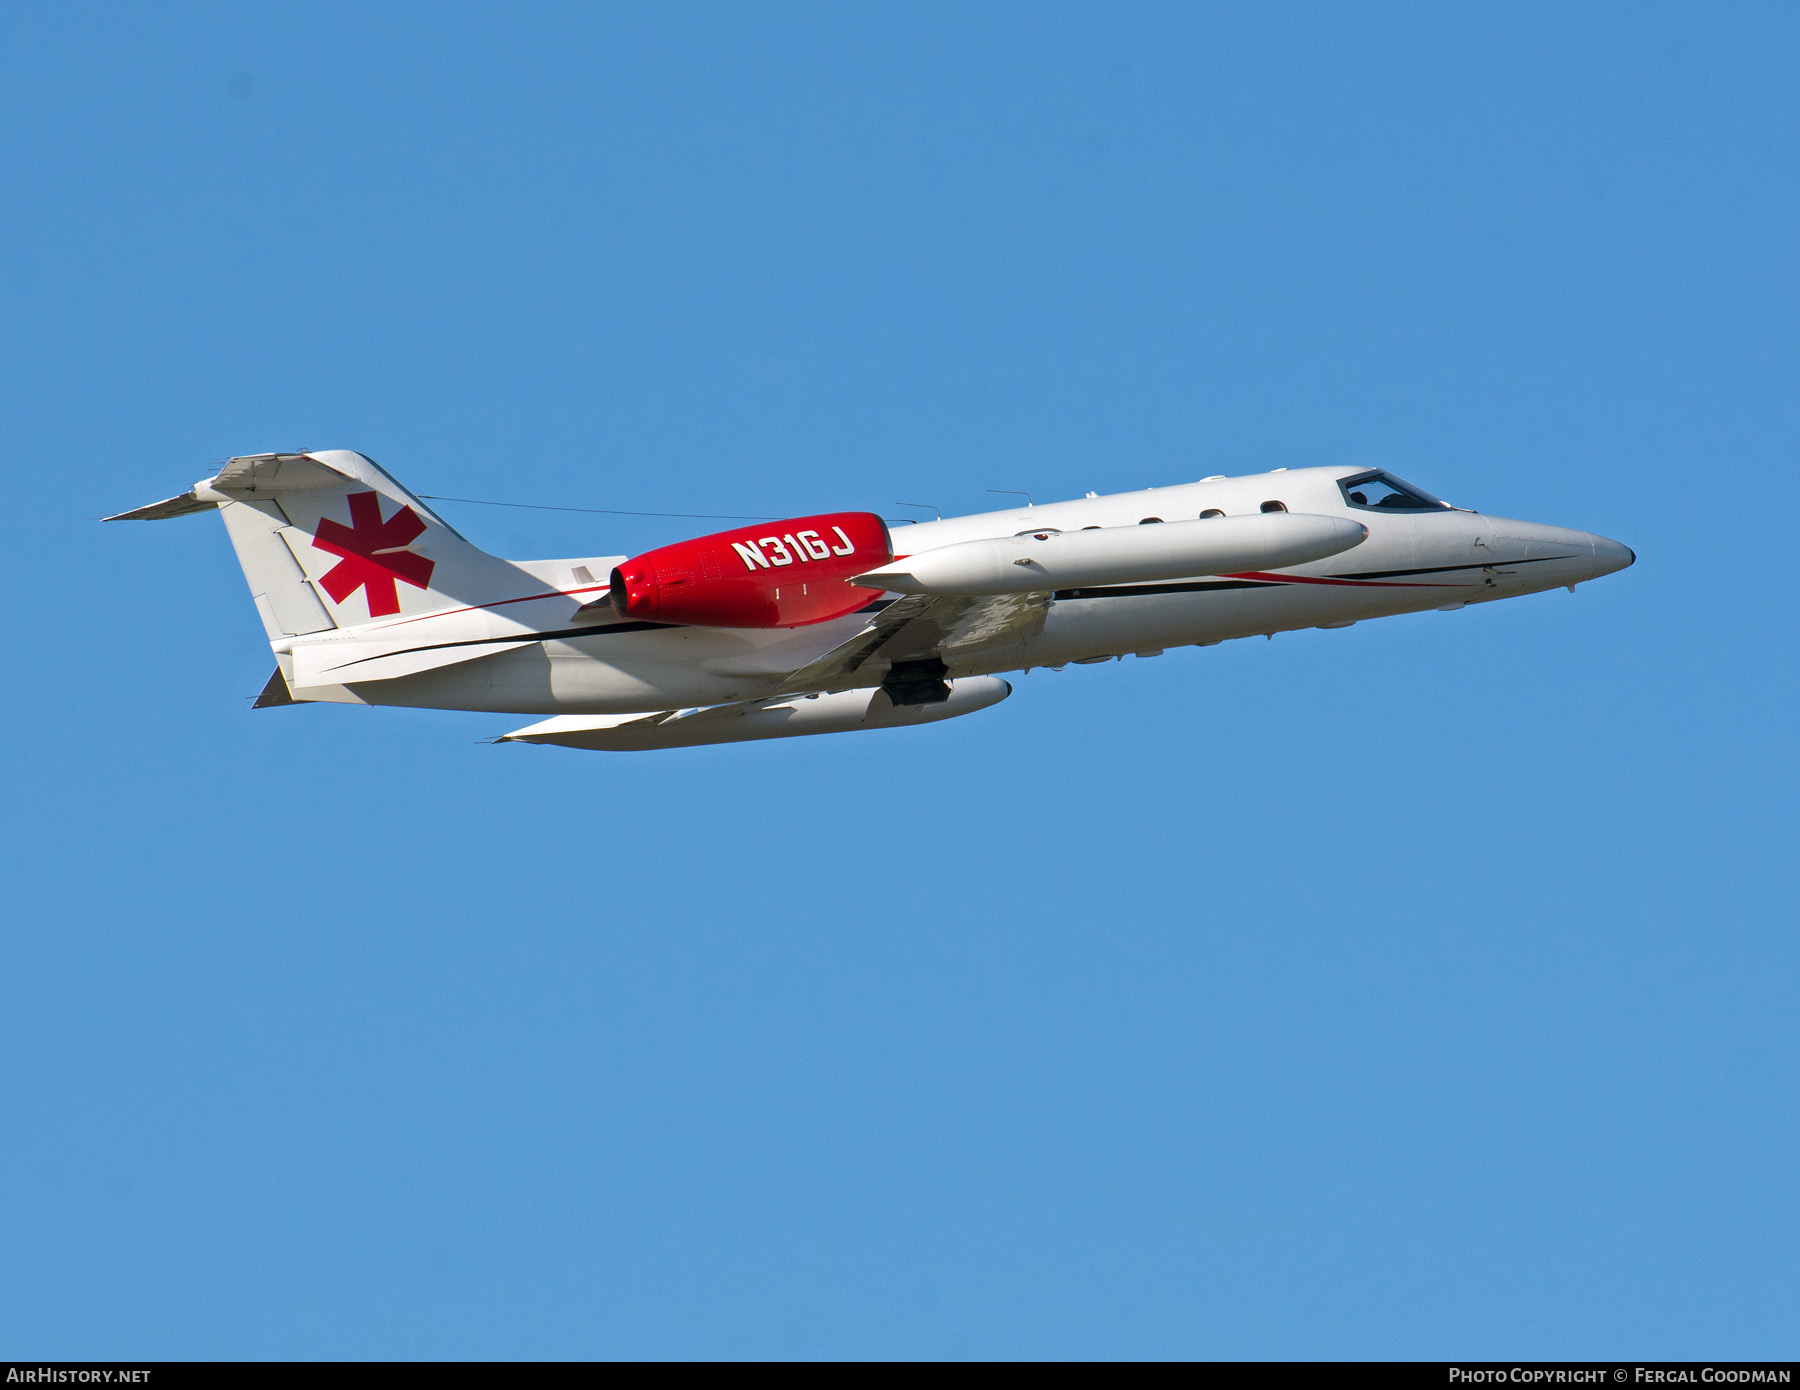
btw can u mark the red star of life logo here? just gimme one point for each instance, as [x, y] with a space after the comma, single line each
[374, 554]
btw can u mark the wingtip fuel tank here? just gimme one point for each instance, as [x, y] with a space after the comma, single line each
[1039, 560]
[842, 712]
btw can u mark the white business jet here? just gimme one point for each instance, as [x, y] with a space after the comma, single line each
[834, 622]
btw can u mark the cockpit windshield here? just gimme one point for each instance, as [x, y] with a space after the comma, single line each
[1383, 492]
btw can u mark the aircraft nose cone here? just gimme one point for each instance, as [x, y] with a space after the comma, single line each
[1610, 556]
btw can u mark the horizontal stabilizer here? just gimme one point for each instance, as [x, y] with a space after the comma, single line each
[256, 475]
[184, 505]
[262, 475]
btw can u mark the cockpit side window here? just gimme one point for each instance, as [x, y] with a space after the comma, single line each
[1383, 492]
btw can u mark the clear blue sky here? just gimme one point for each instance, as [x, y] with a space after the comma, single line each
[1417, 990]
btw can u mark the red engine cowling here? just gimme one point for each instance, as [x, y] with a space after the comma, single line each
[780, 574]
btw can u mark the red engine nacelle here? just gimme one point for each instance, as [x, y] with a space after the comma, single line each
[781, 574]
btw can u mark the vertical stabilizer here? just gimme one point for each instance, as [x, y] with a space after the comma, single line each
[286, 602]
[329, 540]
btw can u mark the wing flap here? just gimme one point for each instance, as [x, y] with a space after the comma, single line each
[922, 627]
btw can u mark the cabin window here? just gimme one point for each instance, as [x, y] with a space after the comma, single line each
[1150, 521]
[1274, 506]
[1383, 492]
[1210, 513]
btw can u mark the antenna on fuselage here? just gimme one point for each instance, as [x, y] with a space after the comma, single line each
[1012, 492]
[924, 507]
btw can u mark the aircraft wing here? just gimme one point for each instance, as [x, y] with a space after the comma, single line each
[923, 628]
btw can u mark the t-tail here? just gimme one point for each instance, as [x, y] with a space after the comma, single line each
[334, 549]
